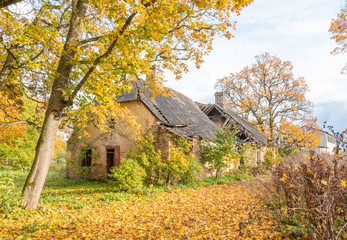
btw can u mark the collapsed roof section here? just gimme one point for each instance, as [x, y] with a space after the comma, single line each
[183, 117]
[248, 133]
[176, 112]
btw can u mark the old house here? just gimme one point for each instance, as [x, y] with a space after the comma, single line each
[164, 117]
[327, 143]
[225, 118]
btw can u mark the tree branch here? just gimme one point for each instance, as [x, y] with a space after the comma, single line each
[88, 40]
[100, 58]
[6, 3]
[12, 123]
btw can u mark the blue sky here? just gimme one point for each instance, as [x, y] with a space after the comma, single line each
[295, 30]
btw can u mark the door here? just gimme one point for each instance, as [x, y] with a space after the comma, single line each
[109, 160]
[112, 158]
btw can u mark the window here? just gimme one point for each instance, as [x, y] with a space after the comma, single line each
[331, 139]
[86, 158]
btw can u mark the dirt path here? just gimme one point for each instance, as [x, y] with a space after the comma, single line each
[229, 211]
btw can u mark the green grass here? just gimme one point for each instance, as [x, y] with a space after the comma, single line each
[60, 191]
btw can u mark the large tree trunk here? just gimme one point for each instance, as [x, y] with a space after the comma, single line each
[44, 151]
[6, 69]
[57, 102]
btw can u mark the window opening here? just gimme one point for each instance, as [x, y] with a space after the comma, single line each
[87, 158]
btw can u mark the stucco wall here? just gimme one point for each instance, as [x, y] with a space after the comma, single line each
[100, 142]
[143, 117]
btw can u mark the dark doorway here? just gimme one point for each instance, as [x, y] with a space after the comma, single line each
[110, 159]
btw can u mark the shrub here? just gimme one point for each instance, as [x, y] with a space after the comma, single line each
[176, 165]
[150, 160]
[179, 166]
[221, 153]
[271, 157]
[129, 175]
[194, 171]
[311, 194]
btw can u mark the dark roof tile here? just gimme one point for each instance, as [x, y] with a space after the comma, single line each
[178, 113]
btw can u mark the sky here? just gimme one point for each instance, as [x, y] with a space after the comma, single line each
[294, 30]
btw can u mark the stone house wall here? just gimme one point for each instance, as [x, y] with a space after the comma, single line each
[99, 143]
[254, 155]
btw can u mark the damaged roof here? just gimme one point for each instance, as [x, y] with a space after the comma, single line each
[177, 113]
[234, 119]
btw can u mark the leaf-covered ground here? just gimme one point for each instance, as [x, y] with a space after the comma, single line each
[228, 211]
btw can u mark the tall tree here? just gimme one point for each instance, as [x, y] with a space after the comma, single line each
[99, 46]
[293, 137]
[266, 93]
[338, 30]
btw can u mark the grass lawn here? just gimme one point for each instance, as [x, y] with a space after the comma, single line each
[75, 209]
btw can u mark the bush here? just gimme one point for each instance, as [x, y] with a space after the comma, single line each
[222, 153]
[311, 194]
[194, 171]
[129, 175]
[271, 157]
[150, 160]
[179, 166]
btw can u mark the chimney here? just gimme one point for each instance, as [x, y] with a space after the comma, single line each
[157, 73]
[220, 99]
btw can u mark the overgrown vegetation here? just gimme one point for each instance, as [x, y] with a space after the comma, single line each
[129, 175]
[148, 165]
[222, 154]
[309, 194]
